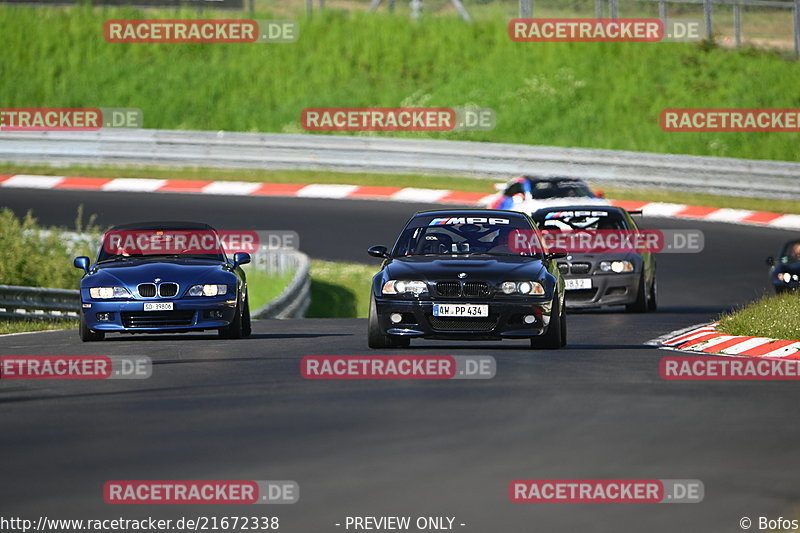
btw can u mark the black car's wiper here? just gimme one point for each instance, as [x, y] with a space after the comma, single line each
[504, 254]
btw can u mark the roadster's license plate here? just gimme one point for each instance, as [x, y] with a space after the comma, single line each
[158, 306]
[460, 310]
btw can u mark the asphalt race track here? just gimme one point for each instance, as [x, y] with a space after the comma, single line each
[217, 409]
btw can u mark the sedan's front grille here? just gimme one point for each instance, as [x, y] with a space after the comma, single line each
[474, 289]
[157, 319]
[442, 323]
[448, 288]
[147, 290]
[581, 268]
[168, 290]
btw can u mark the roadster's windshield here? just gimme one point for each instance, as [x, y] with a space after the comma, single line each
[126, 243]
[461, 235]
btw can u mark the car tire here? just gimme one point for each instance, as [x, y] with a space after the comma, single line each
[247, 327]
[376, 338]
[235, 329]
[652, 302]
[640, 304]
[556, 335]
[89, 335]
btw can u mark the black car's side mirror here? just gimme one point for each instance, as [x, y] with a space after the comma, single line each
[378, 251]
[770, 260]
[240, 258]
[82, 262]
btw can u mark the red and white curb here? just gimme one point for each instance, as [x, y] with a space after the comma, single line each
[706, 339]
[396, 194]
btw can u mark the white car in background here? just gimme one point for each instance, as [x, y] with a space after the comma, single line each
[530, 193]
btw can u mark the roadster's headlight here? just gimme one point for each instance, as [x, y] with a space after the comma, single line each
[103, 293]
[414, 287]
[618, 267]
[207, 290]
[522, 287]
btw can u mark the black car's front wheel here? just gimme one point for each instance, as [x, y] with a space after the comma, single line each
[556, 335]
[89, 335]
[376, 338]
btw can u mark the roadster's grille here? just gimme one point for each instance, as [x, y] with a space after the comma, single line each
[476, 289]
[147, 290]
[442, 323]
[168, 290]
[448, 288]
[563, 268]
[157, 319]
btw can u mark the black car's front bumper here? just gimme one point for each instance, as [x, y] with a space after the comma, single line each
[505, 320]
[607, 289]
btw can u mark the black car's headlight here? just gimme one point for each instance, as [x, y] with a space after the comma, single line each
[207, 290]
[617, 267]
[522, 287]
[414, 287]
[104, 293]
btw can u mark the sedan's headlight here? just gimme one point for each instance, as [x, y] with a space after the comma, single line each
[414, 287]
[522, 287]
[207, 290]
[618, 267]
[104, 293]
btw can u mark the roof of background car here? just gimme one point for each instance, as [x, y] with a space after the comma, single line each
[169, 225]
[457, 212]
[552, 178]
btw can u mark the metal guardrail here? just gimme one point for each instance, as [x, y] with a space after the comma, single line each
[757, 178]
[38, 303]
[295, 298]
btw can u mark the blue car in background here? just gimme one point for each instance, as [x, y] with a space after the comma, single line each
[163, 277]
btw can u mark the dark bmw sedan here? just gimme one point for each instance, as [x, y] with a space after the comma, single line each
[785, 272]
[453, 275]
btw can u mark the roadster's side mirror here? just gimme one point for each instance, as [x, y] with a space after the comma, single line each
[82, 262]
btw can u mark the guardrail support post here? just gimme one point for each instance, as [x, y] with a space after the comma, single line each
[525, 9]
[662, 11]
[796, 12]
[707, 13]
[614, 10]
[737, 23]
[598, 9]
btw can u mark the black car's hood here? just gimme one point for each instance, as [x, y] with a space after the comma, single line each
[183, 271]
[791, 268]
[496, 268]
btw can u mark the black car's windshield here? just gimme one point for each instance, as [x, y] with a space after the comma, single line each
[791, 253]
[543, 190]
[155, 244]
[581, 219]
[462, 235]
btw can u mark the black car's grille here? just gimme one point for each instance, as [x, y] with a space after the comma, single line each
[467, 289]
[157, 319]
[442, 323]
[448, 288]
[147, 290]
[168, 290]
[574, 268]
[474, 289]
[580, 268]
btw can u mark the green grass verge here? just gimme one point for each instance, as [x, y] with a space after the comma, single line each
[776, 317]
[455, 183]
[263, 287]
[22, 326]
[340, 290]
[601, 95]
